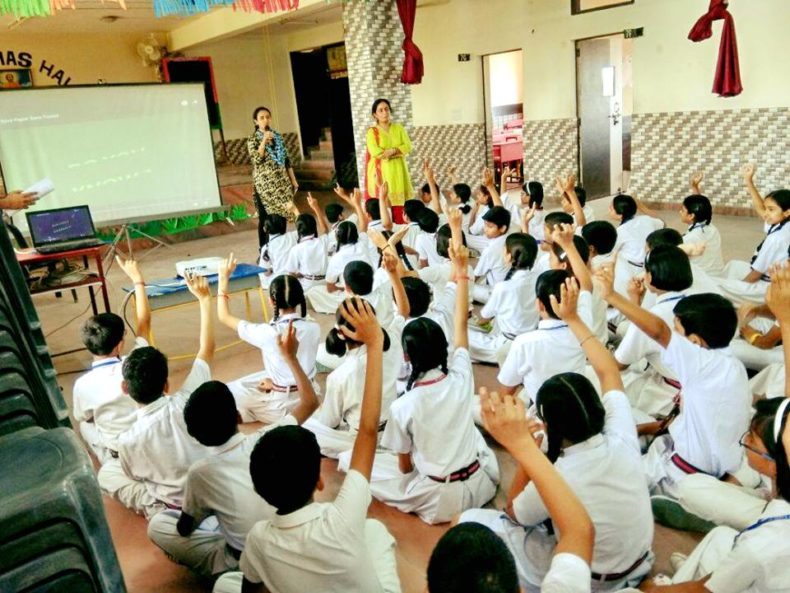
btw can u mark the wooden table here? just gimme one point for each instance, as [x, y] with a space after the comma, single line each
[32, 257]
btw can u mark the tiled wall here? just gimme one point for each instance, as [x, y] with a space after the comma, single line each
[375, 59]
[462, 145]
[668, 147]
[237, 149]
[550, 149]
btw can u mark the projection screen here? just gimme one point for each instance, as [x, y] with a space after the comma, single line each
[127, 151]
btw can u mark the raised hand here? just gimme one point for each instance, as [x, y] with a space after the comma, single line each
[397, 236]
[459, 255]
[342, 194]
[18, 200]
[527, 214]
[565, 309]
[696, 180]
[505, 418]
[747, 172]
[389, 262]
[377, 239]
[605, 277]
[197, 285]
[226, 267]
[130, 268]
[488, 177]
[562, 234]
[778, 296]
[359, 314]
[312, 202]
[636, 289]
[287, 342]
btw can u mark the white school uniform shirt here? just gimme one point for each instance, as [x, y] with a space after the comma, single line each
[715, 408]
[605, 472]
[512, 305]
[308, 257]
[425, 245]
[711, 259]
[331, 237]
[98, 398]
[758, 560]
[567, 574]
[320, 547]
[345, 255]
[637, 345]
[433, 421]
[157, 449]
[773, 250]
[547, 351]
[275, 253]
[345, 387]
[492, 264]
[437, 276]
[477, 227]
[631, 237]
[440, 310]
[220, 485]
[264, 336]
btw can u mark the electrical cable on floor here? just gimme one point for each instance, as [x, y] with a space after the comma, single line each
[60, 327]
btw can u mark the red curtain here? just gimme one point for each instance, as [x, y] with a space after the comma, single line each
[412, 61]
[727, 82]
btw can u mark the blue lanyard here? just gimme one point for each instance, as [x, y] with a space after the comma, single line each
[696, 225]
[760, 523]
[551, 329]
[670, 299]
[106, 363]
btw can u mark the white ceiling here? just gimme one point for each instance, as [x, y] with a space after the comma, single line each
[139, 18]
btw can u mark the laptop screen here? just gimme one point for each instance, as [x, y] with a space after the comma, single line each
[57, 226]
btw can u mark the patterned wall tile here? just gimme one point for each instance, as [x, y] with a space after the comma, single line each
[668, 147]
[462, 145]
[373, 49]
[550, 149]
[237, 149]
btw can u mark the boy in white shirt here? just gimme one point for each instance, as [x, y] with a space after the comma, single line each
[310, 546]
[101, 407]
[491, 267]
[155, 453]
[550, 349]
[220, 504]
[716, 401]
[425, 243]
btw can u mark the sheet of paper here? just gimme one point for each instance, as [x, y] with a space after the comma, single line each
[41, 187]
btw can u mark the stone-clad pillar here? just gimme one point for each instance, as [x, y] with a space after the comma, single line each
[373, 51]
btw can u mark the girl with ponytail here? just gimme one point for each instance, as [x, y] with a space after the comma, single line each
[268, 395]
[634, 223]
[443, 465]
[336, 422]
[511, 306]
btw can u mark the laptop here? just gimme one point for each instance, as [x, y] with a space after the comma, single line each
[62, 229]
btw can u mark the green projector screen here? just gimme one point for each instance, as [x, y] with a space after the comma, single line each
[127, 151]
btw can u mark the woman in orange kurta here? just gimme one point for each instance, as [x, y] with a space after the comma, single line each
[387, 146]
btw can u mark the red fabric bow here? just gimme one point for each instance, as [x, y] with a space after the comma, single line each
[727, 81]
[412, 62]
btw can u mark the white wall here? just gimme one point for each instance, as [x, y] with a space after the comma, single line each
[507, 78]
[670, 72]
[255, 69]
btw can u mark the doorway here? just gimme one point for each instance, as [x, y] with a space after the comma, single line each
[604, 99]
[323, 106]
[503, 84]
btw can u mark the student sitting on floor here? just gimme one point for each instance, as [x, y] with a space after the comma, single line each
[633, 228]
[351, 247]
[309, 546]
[715, 406]
[270, 394]
[437, 276]
[470, 558]
[155, 453]
[743, 281]
[652, 386]
[477, 238]
[528, 197]
[275, 252]
[442, 465]
[425, 244]
[592, 442]
[754, 559]
[220, 505]
[101, 407]
[696, 212]
[601, 237]
[511, 306]
[548, 350]
[551, 221]
[336, 423]
[308, 258]
[491, 267]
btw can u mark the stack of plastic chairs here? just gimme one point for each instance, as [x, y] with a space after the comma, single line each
[53, 531]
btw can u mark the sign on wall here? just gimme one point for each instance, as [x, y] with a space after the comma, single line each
[23, 59]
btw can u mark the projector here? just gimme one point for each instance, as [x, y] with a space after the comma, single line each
[204, 266]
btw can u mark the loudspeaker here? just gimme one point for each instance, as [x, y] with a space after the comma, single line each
[196, 70]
